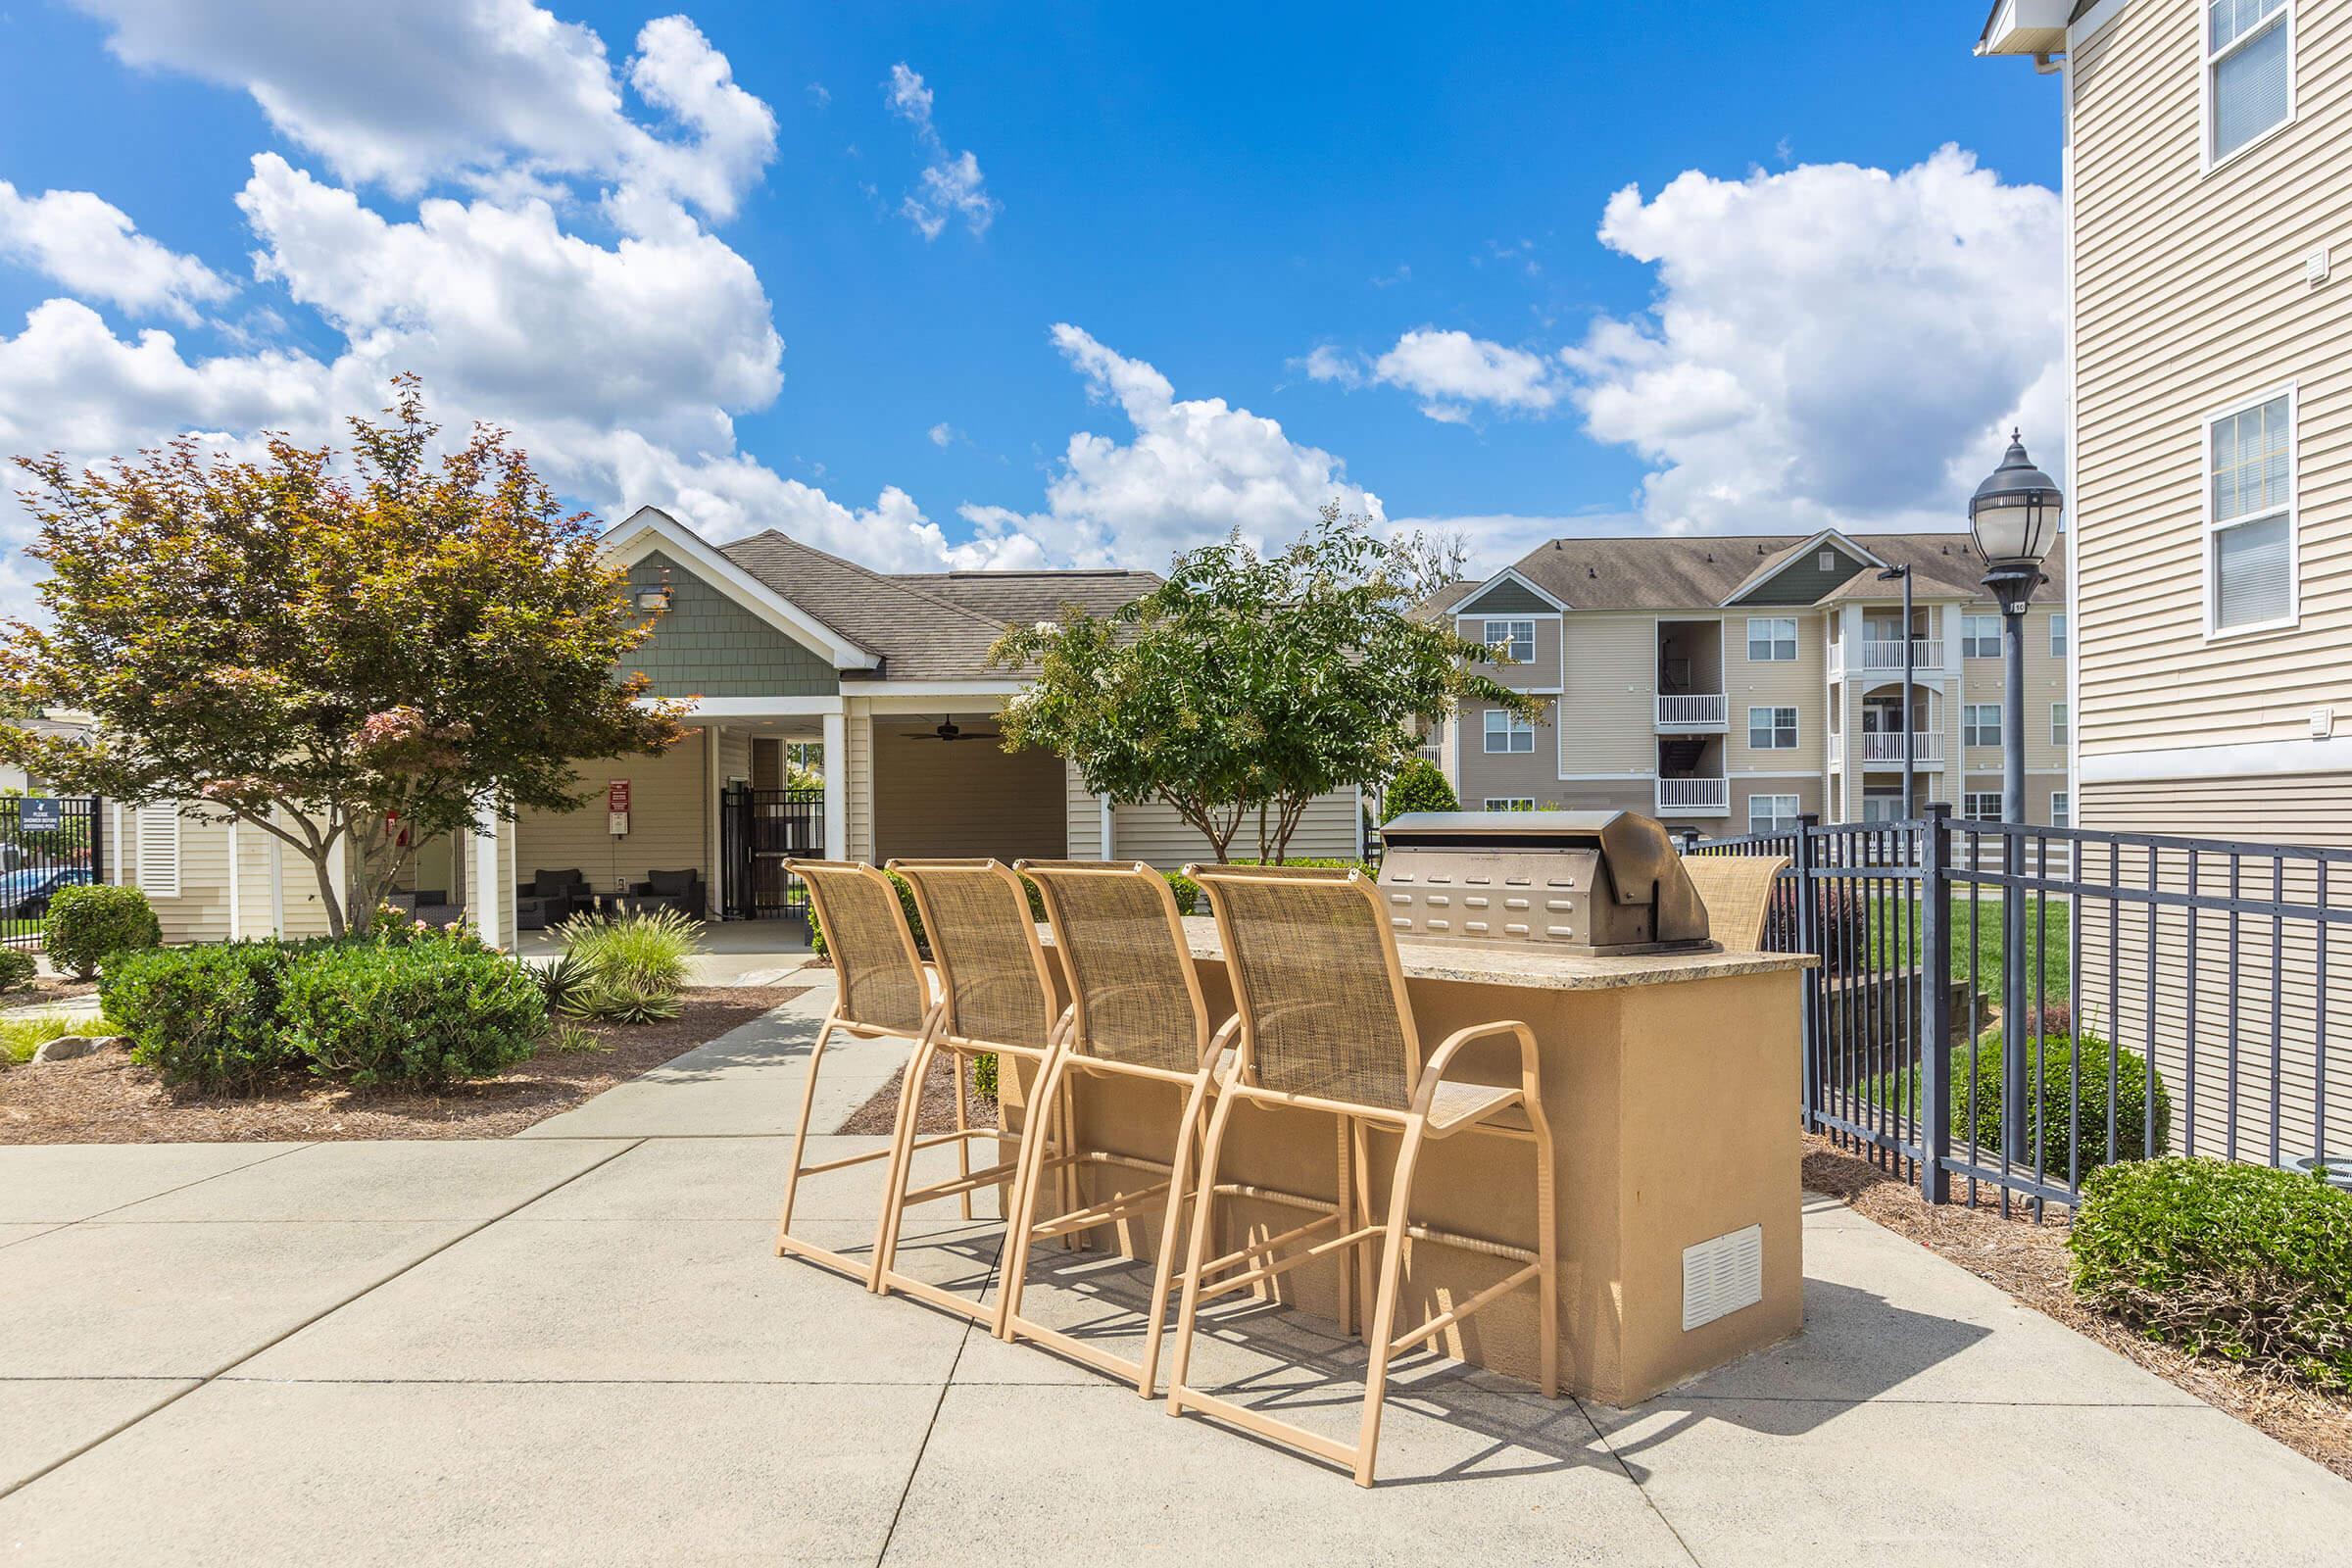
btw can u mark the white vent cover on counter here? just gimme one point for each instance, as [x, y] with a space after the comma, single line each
[1722, 1276]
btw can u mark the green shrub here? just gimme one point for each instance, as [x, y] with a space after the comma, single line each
[564, 981]
[17, 969]
[2055, 1080]
[1187, 891]
[86, 923]
[2244, 1261]
[19, 1037]
[984, 1074]
[633, 966]
[204, 1016]
[1418, 787]
[426, 1011]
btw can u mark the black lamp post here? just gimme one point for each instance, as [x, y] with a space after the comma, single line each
[2013, 516]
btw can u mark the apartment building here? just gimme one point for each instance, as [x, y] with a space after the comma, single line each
[1730, 684]
[2208, 173]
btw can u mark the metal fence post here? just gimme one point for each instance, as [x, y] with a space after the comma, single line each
[1808, 940]
[1935, 1012]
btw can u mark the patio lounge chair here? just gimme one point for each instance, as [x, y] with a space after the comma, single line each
[1136, 1011]
[681, 891]
[549, 899]
[883, 990]
[996, 998]
[1737, 891]
[430, 905]
[1326, 1026]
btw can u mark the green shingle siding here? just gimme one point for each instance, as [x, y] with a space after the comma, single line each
[1801, 582]
[708, 645]
[1504, 598]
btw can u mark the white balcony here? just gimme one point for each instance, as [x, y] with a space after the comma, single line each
[1692, 714]
[1927, 749]
[1877, 656]
[1694, 797]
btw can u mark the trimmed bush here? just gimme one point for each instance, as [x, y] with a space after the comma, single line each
[1187, 891]
[86, 923]
[1418, 787]
[17, 969]
[426, 1013]
[2240, 1262]
[201, 1016]
[2055, 1081]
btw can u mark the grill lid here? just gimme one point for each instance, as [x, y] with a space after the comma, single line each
[1628, 861]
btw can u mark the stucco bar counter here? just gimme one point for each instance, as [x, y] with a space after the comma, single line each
[1671, 1083]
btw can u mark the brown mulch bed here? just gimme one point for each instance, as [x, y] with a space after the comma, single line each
[2032, 1263]
[937, 1114]
[48, 989]
[108, 1099]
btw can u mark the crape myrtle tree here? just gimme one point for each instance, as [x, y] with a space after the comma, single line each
[350, 661]
[1248, 684]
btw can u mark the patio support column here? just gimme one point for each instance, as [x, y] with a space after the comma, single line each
[1111, 822]
[837, 785]
[489, 894]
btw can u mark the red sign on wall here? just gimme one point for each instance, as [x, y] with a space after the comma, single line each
[616, 796]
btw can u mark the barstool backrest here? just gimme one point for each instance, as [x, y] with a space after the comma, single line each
[992, 967]
[880, 974]
[1134, 993]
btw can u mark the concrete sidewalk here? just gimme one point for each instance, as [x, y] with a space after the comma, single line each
[575, 1346]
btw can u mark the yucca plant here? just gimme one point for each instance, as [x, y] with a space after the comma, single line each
[566, 981]
[631, 968]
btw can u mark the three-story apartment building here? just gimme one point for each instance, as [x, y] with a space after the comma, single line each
[2208, 190]
[1730, 683]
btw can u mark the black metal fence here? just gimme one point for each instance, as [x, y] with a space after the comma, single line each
[2000, 1008]
[759, 829]
[47, 842]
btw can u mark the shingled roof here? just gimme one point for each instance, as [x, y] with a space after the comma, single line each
[926, 625]
[1702, 571]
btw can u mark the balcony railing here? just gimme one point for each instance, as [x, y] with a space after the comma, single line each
[1692, 711]
[1694, 797]
[1927, 746]
[1884, 656]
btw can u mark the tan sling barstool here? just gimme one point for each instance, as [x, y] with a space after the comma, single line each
[882, 990]
[1737, 891]
[1326, 1026]
[1137, 1014]
[996, 998]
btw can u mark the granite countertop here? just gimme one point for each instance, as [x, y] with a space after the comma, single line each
[1537, 965]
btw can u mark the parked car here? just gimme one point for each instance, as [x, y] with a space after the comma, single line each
[24, 895]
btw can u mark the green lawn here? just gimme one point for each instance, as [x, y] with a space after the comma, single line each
[1893, 933]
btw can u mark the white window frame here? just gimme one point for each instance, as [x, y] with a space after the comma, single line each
[1772, 639]
[2062, 808]
[2214, 630]
[1508, 645]
[1970, 639]
[1827, 561]
[2210, 61]
[1968, 800]
[1774, 821]
[1772, 727]
[1510, 729]
[1507, 802]
[159, 842]
[2062, 634]
[1971, 729]
[2060, 724]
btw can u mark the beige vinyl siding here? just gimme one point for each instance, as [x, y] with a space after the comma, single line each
[2190, 296]
[1776, 683]
[937, 799]
[1081, 817]
[199, 911]
[1485, 773]
[1808, 793]
[1153, 832]
[857, 769]
[734, 753]
[1606, 719]
[1540, 673]
[670, 815]
[2295, 809]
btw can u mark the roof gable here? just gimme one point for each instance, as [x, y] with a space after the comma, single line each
[1804, 572]
[650, 529]
[1508, 593]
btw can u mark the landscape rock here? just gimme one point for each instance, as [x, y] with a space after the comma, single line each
[65, 1047]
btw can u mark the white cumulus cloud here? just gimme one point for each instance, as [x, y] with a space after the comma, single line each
[1450, 371]
[1831, 344]
[951, 184]
[93, 249]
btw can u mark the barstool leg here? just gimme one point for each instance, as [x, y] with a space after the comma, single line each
[1171, 1231]
[1197, 1254]
[902, 1161]
[1384, 1311]
[1020, 1204]
[800, 1137]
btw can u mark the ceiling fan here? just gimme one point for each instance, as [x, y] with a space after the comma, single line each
[949, 730]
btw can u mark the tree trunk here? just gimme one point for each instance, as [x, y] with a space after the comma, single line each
[329, 895]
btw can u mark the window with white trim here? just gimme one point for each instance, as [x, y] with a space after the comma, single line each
[2058, 724]
[1508, 803]
[1981, 724]
[1771, 729]
[1514, 638]
[1771, 639]
[1508, 732]
[1981, 806]
[159, 849]
[1772, 813]
[2058, 634]
[2062, 808]
[2249, 72]
[1980, 636]
[2250, 518]
[1827, 561]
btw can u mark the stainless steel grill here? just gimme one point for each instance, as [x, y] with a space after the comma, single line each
[1597, 881]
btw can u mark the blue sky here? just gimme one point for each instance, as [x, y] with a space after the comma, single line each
[1384, 240]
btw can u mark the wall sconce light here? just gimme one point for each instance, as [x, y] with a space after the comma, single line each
[653, 599]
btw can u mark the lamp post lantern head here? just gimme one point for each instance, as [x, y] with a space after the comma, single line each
[2014, 517]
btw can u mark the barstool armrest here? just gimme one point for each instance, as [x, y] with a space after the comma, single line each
[1433, 1072]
